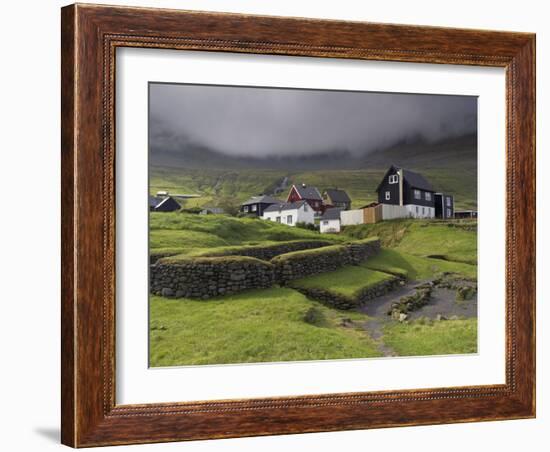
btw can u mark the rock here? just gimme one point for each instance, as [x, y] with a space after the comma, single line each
[403, 317]
[167, 292]
[440, 317]
[180, 294]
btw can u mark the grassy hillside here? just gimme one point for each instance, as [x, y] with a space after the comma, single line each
[217, 187]
[444, 240]
[256, 326]
[190, 234]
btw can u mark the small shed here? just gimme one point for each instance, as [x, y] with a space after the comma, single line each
[330, 221]
[163, 204]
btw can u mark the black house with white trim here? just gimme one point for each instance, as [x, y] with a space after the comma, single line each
[402, 187]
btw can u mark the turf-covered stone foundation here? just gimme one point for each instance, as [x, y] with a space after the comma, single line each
[344, 302]
[210, 277]
[300, 264]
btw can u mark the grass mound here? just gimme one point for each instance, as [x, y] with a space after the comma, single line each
[184, 233]
[415, 267]
[347, 281]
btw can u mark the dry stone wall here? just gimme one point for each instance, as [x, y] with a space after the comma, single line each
[209, 277]
[344, 302]
[206, 277]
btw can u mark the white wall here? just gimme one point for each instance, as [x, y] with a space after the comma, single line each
[350, 217]
[391, 212]
[30, 139]
[419, 211]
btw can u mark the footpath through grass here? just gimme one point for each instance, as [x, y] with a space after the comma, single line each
[256, 326]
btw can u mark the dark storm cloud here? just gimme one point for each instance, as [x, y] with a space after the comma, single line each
[265, 122]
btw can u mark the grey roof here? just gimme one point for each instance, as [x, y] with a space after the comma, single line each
[337, 195]
[417, 180]
[284, 206]
[264, 199]
[307, 192]
[154, 201]
[332, 213]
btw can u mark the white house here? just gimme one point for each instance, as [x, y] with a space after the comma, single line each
[290, 213]
[330, 221]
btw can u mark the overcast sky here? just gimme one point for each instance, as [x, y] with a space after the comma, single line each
[244, 121]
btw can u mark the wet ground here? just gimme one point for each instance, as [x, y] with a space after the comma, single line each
[442, 303]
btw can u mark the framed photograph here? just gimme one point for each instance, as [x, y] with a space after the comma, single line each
[281, 225]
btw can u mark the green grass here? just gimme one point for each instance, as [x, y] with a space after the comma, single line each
[255, 326]
[190, 234]
[419, 338]
[422, 238]
[347, 281]
[415, 267]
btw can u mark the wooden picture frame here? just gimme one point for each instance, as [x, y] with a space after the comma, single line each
[90, 36]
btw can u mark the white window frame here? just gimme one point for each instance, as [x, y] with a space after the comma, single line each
[278, 219]
[245, 209]
[428, 196]
[393, 179]
[449, 214]
[254, 207]
[388, 196]
[325, 222]
[289, 219]
[417, 194]
[448, 201]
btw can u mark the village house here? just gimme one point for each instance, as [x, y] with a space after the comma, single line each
[163, 204]
[337, 198]
[290, 213]
[330, 221]
[444, 206]
[257, 204]
[305, 193]
[409, 190]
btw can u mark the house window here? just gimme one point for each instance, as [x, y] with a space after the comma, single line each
[417, 194]
[325, 222]
[278, 219]
[305, 208]
[423, 211]
[448, 201]
[254, 207]
[449, 215]
[393, 179]
[428, 196]
[289, 219]
[388, 196]
[245, 209]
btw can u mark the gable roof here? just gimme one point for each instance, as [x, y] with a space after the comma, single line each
[307, 192]
[284, 206]
[264, 199]
[337, 195]
[332, 213]
[154, 201]
[415, 180]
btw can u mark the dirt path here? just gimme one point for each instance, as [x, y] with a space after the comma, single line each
[442, 302]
